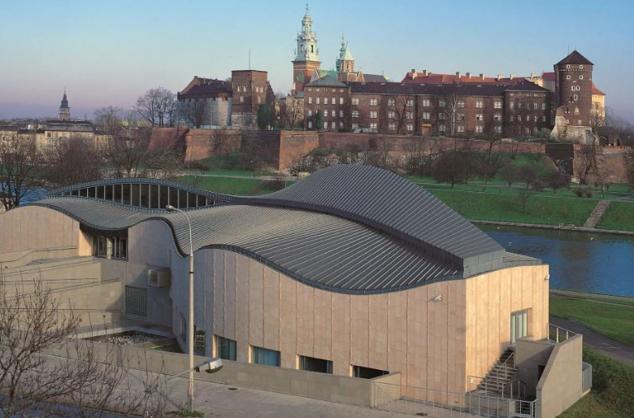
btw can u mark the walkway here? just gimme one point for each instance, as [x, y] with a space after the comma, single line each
[596, 215]
[613, 349]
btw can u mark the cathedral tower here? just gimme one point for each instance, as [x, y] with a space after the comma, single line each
[306, 55]
[64, 109]
[345, 62]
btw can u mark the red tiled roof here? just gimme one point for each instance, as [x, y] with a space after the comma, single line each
[550, 76]
[596, 91]
[206, 87]
[575, 58]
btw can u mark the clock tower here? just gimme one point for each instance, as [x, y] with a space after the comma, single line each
[306, 55]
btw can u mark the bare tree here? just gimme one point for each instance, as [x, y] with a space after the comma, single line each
[292, 113]
[108, 119]
[586, 163]
[72, 161]
[157, 107]
[194, 113]
[450, 108]
[127, 150]
[19, 161]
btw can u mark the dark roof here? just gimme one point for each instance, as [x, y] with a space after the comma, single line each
[470, 89]
[327, 81]
[347, 228]
[374, 78]
[206, 88]
[575, 58]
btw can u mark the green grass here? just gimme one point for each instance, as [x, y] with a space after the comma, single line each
[612, 390]
[619, 216]
[507, 207]
[613, 318]
[243, 187]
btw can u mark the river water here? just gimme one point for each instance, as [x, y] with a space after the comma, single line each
[581, 261]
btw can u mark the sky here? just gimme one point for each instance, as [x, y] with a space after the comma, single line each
[110, 52]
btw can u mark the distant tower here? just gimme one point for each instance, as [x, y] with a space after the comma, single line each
[306, 55]
[573, 83]
[64, 109]
[345, 62]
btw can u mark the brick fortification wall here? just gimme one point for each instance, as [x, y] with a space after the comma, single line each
[294, 145]
[167, 138]
[611, 163]
[205, 143]
[263, 146]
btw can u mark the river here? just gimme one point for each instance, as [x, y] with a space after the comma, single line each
[581, 261]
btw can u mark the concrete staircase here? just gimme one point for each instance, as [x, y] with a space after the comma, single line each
[597, 214]
[499, 380]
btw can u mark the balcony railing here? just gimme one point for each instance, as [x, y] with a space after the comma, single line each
[559, 334]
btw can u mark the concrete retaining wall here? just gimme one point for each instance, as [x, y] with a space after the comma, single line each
[340, 389]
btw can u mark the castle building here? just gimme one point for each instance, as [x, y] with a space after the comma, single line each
[64, 109]
[306, 60]
[573, 76]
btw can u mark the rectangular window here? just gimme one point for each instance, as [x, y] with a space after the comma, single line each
[333, 101]
[226, 348]
[310, 100]
[460, 103]
[543, 106]
[391, 126]
[410, 127]
[497, 117]
[310, 112]
[391, 102]
[479, 104]
[409, 115]
[497, 104]
[512, 105]
[479, 129]
[313, 364]
[355, 113]
[442, 128]
[325, 113]
[355, 126]
[460, 128]
[442, 116]
[391, 115]
[355, 101]
[410, 103]
[325, 100]
[341, 113]
[479, 117]
[367, 372]
[442, 103]
[373, 114]
[426, 116]
[373, 126]
[426, 103]
[310, 124]
[519, 325]
[341, 100]
[498, 129]
[317, 100]
[265, 356]
[374, 102]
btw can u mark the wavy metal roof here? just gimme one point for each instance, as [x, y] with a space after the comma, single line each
[320, 250]
[386, 212]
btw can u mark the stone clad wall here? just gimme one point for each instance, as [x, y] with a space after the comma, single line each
[428, 334]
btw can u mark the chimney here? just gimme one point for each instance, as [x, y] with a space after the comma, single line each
[510, 76]
[424, 72]
[498, 77]
[468, 75]
[413, 73]
[458, 74]
[532, 76]
[481, 76]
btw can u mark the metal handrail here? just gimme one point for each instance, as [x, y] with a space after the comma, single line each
[561, 334]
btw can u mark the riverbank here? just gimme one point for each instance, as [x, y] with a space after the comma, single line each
[554, 227]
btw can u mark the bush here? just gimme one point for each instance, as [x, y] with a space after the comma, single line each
[585, 191]
[612, 381]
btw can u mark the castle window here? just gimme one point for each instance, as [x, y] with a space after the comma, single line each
[374, 102]
[310, 125]
[460, 103]
[373, 115]
[426, 116]
[355, 113]
[355, 100]
[390, 102]
[543, 118]
[580, 76]
[410, 102]
[498, 129]
[310, 100]
[341, 113]
[333, 101]
[479, 104]
[341, 100]
[426, 102]
[581, 67]
[497, 104]
[241, 99]
[568, 76]
[460, 128]
[543, 106]
[410, 127]
[310, 112]
[479, 129]
[442, 128]
[325, 100]
[317, 100]
[442, 103]
[575, 97]
[441, 116]
[391, 126]
[373, 126]
[479, 117]
[391, 115]
[325, 113]
[534, 118]
[409, 115]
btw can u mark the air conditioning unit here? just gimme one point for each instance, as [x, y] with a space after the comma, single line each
[161, 278]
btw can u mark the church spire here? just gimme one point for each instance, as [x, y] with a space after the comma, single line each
[307, 40]
[64, 109]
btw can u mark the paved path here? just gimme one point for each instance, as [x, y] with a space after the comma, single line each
[600, 342]
[597, 213]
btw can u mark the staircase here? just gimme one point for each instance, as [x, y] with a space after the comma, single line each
[499, 381]
[597, 214]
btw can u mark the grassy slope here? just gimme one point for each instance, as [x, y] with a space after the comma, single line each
[234, 186]
[612, 318]
[612, 390]
[620, 215]
[507, 207]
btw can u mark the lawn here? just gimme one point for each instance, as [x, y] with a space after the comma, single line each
[612, 317]
[612, 389]
[620, 215]
[227, 185]
[508, 207]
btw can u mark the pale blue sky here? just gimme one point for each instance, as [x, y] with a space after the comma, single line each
[110, 52]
